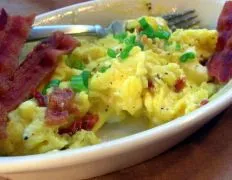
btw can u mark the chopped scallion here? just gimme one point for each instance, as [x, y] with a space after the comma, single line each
[85, 76]
[149, 32]
[111, 53]
[125, 52]
[162, 34]
[130, 40]
[143, 23]
[187, 56]
[52, 83]
[80, 82]
[77, 84]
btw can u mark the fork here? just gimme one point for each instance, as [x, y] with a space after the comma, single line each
[183, 20]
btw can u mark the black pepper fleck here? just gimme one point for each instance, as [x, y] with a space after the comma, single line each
[158, 76]
[25, 138]
[149, 6]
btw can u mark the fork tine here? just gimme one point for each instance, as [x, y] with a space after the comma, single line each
[185, 25]
[188, 24]
[170, 16]
[182, 20]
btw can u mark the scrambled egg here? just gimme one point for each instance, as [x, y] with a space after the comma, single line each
[140, 85]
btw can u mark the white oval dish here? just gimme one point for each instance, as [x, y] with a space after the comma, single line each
[120, 153]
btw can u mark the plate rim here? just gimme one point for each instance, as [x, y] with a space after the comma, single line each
[91, 153]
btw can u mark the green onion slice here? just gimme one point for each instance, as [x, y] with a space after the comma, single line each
[161, 34]
[125, 52]
[52, 83]
[77, 84]
[111, 53]
[187, 56]
[151, 33]
[86, 76]
[143, 23]
[80, 82]
[130, 40]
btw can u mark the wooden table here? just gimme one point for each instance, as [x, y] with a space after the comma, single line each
[205, 155]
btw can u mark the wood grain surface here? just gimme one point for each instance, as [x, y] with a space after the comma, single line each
[207, 154]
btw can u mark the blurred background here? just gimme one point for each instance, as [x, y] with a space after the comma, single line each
[34, 6]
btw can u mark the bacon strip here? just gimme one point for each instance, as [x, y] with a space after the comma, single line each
[150, 84]
[180, 84]
[87, 123]
[220, 65]
[3, 122]
[40, 98]
[60, 100]
[38, 65]
[13, 34]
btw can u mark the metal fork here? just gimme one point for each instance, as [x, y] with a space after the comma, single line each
[183, 20]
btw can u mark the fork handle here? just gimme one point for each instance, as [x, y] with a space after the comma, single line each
[40, 32]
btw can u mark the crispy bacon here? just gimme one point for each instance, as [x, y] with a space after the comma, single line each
[220, 65]
[59, 102]
[40, 98]
[13, 34]
[180, 84]
[54, 117]
[3, 122]
[87, 123]
[150, 84]
[3, 20]
[38, 65]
